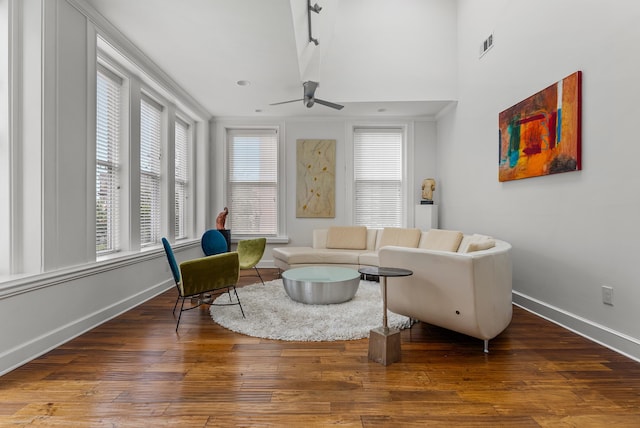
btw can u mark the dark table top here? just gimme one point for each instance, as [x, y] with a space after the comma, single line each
[384, 271]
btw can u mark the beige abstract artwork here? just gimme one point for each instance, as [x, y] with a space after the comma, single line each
[315, 178]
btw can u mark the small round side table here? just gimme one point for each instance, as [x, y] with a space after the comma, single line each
[384, 343]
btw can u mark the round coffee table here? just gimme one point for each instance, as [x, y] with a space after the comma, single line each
[321, 285]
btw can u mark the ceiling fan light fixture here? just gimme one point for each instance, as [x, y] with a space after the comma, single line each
[315, 8]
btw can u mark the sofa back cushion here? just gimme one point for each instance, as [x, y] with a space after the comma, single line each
[476, 242]
[399, 237]
[440, 239]
[347, 237]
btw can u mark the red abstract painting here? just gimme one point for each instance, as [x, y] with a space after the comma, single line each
[541, 134]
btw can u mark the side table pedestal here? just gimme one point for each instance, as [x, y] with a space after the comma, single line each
[384, 342]
[384, 345]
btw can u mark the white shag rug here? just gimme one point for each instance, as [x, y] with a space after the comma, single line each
[271, 314]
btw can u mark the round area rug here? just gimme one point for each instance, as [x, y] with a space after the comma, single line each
[271, 314]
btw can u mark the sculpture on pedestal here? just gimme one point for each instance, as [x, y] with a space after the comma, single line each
[428, 187]
[222, 218]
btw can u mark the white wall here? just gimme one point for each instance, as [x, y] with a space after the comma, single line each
[414, 48]
[571, 232]
[52, 181]
[422, 137]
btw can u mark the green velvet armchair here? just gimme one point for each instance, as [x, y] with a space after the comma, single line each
[200, 280]
[250, 252]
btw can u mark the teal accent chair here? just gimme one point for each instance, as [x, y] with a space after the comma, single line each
[200, 280]
[250, 252]
[213, 242]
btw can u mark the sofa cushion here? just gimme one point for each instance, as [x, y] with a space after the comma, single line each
[369, 259]
[308, 255]
[442, 240]
[347, 237]
[400, 237]
[476, 242]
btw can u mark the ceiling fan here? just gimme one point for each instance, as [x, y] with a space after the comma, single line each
[309, 97]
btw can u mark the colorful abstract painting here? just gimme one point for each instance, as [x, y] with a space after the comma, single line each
[316, 178]
[541, 134]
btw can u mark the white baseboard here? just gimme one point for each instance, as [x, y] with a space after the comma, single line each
[25, 352]
[614, 340]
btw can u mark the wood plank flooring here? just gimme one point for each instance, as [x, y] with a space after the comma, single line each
[135, 371]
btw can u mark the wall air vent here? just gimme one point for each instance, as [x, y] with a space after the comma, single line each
[486, 45]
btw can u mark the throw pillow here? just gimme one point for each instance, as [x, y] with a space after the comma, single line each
[443, 240]
[481, 244]
[476, 242]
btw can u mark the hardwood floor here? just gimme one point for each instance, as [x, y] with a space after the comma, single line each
[135, 371]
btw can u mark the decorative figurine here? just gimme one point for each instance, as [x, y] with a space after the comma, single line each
[428, 186]
[222, 218]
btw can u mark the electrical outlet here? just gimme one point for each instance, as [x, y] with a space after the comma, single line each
[607, 295]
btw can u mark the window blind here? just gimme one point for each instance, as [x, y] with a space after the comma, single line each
[108, 88]
[181, 178]
[150, 140]
[378, 177]
[252, 177]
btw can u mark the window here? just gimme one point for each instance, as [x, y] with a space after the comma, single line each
[181, 178]
[150, 143]
[252, 177]
[154, 130]
[108, 89]
[378, 160]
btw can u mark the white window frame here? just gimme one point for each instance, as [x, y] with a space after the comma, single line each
[113, 232]
[183, 223]
[139, 86]
[406, 129]
[154, 174]
[6, 142]
[278, 188]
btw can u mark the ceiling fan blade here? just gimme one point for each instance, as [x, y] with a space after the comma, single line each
[286, 102]
[329, 104]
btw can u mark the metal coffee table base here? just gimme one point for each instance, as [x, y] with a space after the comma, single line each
[322, 285]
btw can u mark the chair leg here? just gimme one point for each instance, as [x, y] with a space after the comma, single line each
[259, 276]
[176, 304]
[486, 346]
[180, 314]
[239, 304]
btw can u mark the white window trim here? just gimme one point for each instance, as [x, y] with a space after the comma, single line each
[407, 166]
[220, 174]
[188, 208]
[118, 166]
[7, 149]
[136, 86]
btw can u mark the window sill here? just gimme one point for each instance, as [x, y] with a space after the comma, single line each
[19, 284]
[270, 239]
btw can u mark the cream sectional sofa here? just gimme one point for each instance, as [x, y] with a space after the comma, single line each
[459, 282]
[347, 246]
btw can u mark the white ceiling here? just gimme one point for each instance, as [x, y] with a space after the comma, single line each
[376, 57]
